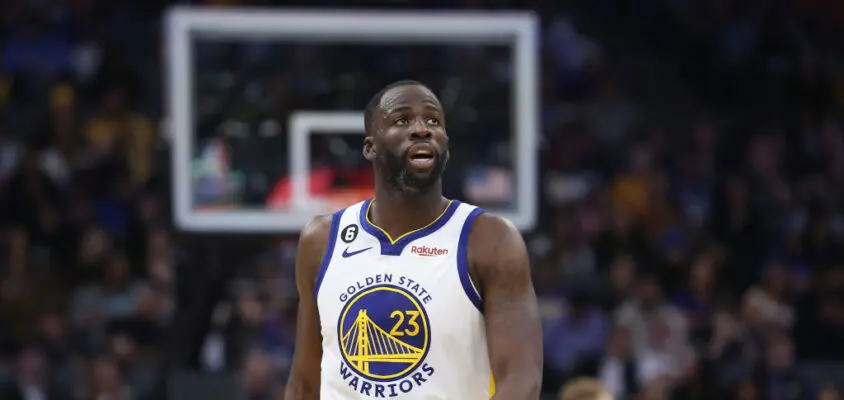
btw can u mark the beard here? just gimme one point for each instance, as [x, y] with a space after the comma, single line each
[399, 176]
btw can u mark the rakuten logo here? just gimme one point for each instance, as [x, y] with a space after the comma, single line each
[426, 251]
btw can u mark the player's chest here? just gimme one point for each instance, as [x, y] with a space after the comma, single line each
[400, 296]
[390, 331]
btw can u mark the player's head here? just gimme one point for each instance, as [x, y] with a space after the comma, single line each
[583, 389]
[406, 139]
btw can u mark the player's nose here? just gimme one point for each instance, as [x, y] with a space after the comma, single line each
[421, 134]
[420, 131]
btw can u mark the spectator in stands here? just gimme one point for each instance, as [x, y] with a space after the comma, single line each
[259, 380]
[767, 305]
[620, 282]
[33, 379]
[829, 392]
[583, 389]
[11, 151]
[119, 134]
[777, 379]
[648, 314]
[53, 338]
[106, 382]
[574, 341]
[619, 369]
[570, 254]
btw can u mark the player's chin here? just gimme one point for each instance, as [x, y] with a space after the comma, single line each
[420, 176]
[417, 183]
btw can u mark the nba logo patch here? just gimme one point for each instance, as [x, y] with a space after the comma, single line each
[384, 334]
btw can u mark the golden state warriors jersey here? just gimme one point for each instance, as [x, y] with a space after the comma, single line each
[400, 317]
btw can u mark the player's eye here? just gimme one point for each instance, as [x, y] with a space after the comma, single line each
[434, 121]
[401, 121]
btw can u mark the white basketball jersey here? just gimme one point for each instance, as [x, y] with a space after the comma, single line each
[401, 317]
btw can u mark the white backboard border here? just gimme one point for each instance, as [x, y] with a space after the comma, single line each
[182, 23]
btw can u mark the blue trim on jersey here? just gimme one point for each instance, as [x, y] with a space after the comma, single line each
[329, 250]
[463, 261]
[394, 247]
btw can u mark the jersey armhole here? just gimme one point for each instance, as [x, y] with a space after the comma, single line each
[329, 250]
[463, 262]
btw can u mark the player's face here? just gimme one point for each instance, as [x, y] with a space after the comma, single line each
[410, 145]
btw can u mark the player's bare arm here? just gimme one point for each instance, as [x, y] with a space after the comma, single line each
[499, 262]
[304, 380]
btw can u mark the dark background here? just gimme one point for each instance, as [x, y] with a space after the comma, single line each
[691, 171]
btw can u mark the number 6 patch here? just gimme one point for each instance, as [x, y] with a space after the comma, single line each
[349, 233]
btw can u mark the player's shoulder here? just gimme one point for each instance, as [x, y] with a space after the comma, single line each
[314, 238]
[496, 250]
[491, 226]
[316, 230]
[491, 234]
[313, 241]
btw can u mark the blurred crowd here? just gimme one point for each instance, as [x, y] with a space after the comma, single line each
[88, 257]
[691, 259]
[700, 259]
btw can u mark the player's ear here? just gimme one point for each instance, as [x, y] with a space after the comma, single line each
[368, 148]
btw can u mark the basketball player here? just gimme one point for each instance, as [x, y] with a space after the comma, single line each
[411, 295]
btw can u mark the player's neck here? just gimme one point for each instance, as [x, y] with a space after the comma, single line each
[399, 213]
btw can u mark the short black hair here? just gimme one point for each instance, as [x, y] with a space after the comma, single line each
[375, 102]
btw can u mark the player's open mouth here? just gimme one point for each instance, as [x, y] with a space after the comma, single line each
[421, 156]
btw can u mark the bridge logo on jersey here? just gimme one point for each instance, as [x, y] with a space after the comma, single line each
[384, 334]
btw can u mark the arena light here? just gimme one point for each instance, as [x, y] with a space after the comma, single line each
[183, 24]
